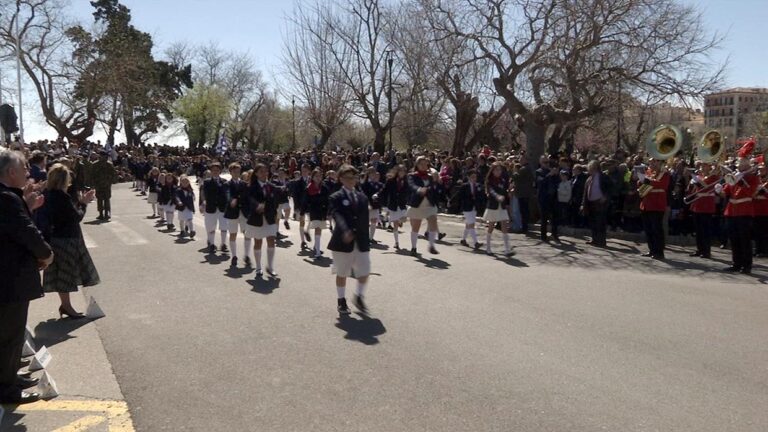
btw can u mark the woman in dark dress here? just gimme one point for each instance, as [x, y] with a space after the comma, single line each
[73, 265]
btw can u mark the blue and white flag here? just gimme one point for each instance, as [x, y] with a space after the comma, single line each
[222, 146]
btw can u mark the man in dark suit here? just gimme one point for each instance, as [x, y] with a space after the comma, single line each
[524, 182]
[23, 252]
[350, 241]
[595, 202]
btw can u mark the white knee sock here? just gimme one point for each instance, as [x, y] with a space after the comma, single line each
[414, 239]
[223, 238]
[247, 247]
[487, 242]
[154, 208]
[210, 237]
[397, 235]
[506, 243]
[169, 217]
[473, 233]
[432, 238]
[271, 258]
[372, 229]
[233, 247]
[257, 258]
[340, 291]
[361, 288]
[317, 243]
[464, 235]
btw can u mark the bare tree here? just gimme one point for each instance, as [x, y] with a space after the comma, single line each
[554, 60]
[315, 76]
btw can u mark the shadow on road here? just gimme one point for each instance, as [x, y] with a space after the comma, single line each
[433, 263]
[264, 285]
[365, 329]
[11, 418]
[54, 331]
[324, 262]
[237, 272]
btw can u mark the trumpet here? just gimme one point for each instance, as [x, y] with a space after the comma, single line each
[734, 178]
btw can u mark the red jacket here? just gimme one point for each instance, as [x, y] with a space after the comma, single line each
[740, 197]
[656, 200]
[705, 202]
[761, 203]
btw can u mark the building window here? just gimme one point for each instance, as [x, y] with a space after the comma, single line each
[730, 101]
[730, 121]
[731, 111]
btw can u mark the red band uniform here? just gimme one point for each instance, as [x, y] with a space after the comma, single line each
[703, 208]
[738, 215]
[653, 206]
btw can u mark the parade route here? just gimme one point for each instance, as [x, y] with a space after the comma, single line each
[558, 338]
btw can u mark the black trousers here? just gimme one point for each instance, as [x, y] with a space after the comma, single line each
[760, 229]
[653, 225]
[703, 222]
[597, 213]
[548, 215]
[525, 212]
[102, 201]
[13, 320]
[740, 235]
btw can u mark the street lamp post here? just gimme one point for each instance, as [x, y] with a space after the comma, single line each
[389, 97]
[18, 71]
[293, 121]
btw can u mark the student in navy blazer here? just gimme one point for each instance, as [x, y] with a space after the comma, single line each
[262, 222]
[395, 198]
[471, 197]
[350, 241]
[422, 204]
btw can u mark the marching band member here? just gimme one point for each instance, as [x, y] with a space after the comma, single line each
[235, 219]
[703, 207]
[760, 224]
[317, 206]
[371, 187]
[739, 213]
[262, 222]
[185, 204]
[350, 243]
[153, 188]
[470, 199]
[395, 197]
[213, 203]
[422, 203]
[653, 206]
[497, 189]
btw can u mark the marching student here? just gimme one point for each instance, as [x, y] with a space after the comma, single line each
[262, 222]
[350, 242]
[371, 187]
[284, 206]
[497, 189]
[236, 221]
[213, 203]
[185, 204]
[333, 185]
[160, 206]
[395, 197]
[153, 188]
[167, 197]
[300, 202]
[317, 207]
[422, 203]
[470, 199]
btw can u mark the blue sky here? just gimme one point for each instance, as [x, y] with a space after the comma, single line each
[256, 26]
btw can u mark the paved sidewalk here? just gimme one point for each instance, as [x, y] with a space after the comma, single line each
[89, 396]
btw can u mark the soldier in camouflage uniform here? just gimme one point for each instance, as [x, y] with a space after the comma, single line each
[102, 175]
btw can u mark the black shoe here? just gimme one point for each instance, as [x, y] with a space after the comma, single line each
[247, 262]
[24, 362]
[647, 255]
[746, 270]
[211, 248]
[20, 398]
[414, 252]
[192, 234]
[306, 236]
[100, 216]
[233, 262]
[259, 273]
[303, 245]
[107, 216]
[478, 246]
[342, 307]
[489, 253]
[360, 304]
[441, 236]
[70, 314]
[694, 254]
[732, 269]
[511, 253]
[545, 239]
[183, 234]
[464, 243]
[706, 256]
[25, 383]
[433, 251]
[659, 257]
[171, 227]
[397, 246]
[286, 224]
[556, 239]
[224, 248]
[272, 272]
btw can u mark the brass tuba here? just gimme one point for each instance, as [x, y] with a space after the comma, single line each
[711, 148]
[663, 144]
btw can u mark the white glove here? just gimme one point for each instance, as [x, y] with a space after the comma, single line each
[718, 188]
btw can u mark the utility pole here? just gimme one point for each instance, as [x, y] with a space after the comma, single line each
[389, 97]
[619, 120]
[18, 71]
[293, 121]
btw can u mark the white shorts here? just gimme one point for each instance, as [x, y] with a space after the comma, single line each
[422, 212]
[284, 206]
[236, 225]
[346, 264]
[168, 207]
[322, 224]
[186, 215]
[470, 217]
[396, 215]
[152, 197]
[498, 215]
[213, 219]
[373, 214]
[260, 232]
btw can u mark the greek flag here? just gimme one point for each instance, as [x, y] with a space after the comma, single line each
[222, 146]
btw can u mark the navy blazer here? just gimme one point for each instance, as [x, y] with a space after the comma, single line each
[317, 205]
[394, 196]
[370, 189]
[266, 195]
[495, 190]
[415, 183]
[214, 194]
[167, 194]
[235, 190]
[469, 201]
[185, 199]
[21, 246]
[349, 215]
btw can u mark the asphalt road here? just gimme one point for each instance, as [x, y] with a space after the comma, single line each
[560, 338]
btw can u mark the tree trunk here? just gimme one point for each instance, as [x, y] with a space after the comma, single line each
[535, 133]
[325, 135]
[380, 142]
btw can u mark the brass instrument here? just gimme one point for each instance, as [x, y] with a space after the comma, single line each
[663, 143]
[711, 147]
[690, 198]
[734, 178]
